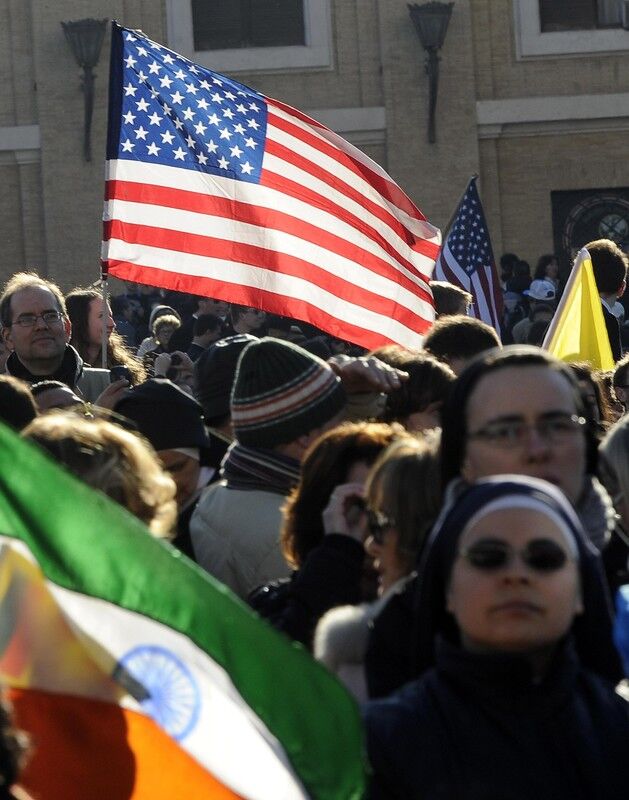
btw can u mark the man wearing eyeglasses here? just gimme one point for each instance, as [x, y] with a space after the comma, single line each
[37, 330]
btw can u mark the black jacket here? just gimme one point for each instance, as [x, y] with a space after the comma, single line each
[330, 576]
[478, 728]
[613, 333]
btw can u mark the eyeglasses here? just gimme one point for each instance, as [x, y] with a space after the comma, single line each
[490, 555]
[378, 524]
[30, 320]
[554, 428]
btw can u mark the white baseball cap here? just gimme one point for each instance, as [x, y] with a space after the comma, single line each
[541, 290]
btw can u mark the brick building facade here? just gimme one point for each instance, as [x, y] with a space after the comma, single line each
[538, 111]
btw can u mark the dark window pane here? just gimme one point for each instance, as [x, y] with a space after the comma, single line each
[224, 24]
[567, 15]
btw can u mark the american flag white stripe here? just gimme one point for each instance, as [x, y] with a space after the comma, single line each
[242, 274]
[244, 233]
[332, 167]
[365, 249]
[339, 160]
[316, 230]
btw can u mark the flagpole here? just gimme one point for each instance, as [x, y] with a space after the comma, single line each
[576, 266]
[103, 341]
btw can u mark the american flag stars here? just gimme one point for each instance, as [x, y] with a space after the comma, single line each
[178, 114]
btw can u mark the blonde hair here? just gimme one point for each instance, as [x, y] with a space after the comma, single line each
[404, 485]
[163, 321]
[119, 463]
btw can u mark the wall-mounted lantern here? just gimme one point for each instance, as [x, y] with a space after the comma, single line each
[85, 37]
[431, 23]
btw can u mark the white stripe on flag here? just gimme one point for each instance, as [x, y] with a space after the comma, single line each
[261, 196]
[259, 278]
[245, 233]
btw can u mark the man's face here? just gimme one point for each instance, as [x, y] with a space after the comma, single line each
[39, 347]
[217, 307]
[252, 319]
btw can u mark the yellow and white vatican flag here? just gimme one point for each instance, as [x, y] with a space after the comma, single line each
[577, 332]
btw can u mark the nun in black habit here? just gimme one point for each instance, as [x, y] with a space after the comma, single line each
[516, 696]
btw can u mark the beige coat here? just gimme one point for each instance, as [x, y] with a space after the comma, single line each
[235, 536]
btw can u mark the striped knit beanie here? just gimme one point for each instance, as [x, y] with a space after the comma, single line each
[282, 392]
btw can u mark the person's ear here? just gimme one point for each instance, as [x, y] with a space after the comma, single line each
[578, 602]
[6, 335]
[67, 326]
[467, 473]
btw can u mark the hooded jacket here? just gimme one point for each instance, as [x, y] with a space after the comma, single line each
[480, 726]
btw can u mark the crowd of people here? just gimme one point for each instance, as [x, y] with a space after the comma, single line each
[445, 529]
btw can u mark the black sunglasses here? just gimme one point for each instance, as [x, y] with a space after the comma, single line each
[540, 555]
[378, 524]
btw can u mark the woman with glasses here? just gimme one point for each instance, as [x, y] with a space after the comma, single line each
[328, 561]
[519, 410]
[402, 500]
[516, 696]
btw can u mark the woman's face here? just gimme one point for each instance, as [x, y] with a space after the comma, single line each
[534, 397]
[514, 607]
[552, 270]
[425, 420]
[382, 544]
[95, 321]
[163, 335]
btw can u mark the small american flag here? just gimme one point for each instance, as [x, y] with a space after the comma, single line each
[217, 190]
[467, 259]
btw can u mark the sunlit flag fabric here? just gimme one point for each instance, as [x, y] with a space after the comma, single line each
[137, 675]
[577, 331]
[217, 190]
[467, 260]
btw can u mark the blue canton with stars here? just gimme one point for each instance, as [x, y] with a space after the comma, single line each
[468, 239]
[166, 110]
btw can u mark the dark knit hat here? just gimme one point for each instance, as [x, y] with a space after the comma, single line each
[214, 373]
[163, 413]
[282, 392]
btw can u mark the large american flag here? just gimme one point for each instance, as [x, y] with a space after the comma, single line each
[217, 190]
[467, 260]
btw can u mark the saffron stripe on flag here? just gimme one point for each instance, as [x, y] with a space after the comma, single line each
[118, 735]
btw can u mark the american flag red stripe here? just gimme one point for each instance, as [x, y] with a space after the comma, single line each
[157, 207]
[322, 233]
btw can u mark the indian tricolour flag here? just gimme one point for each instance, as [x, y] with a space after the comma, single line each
[137, 675]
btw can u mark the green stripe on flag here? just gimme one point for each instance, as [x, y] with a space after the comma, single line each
[88, 544]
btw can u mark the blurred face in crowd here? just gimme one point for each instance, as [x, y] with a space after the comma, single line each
[184, 470]
[57, 397]
[95, 321]
[552, 269]
[383, 543]
[41, 346]
[217, 307]
[251, 320]
[4, 354]
[164, 334]
[521, 420]
[513, 605]
[425, 420]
